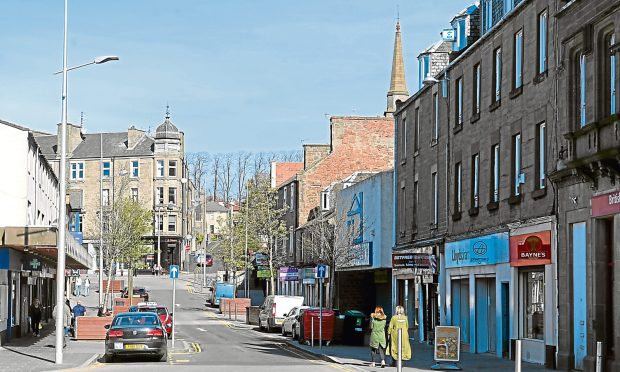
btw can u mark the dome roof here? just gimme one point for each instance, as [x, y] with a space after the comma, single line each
[167, 130]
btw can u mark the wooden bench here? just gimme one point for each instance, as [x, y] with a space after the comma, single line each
[92, 327]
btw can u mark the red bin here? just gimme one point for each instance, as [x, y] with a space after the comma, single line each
[305, 333]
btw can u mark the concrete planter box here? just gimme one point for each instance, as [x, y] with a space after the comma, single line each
[227, 305]
[121, 305]
[92, 327]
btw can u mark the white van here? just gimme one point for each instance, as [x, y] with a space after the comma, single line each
[274, 309]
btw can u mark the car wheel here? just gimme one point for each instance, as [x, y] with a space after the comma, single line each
[283, 332]
[108, 358]
[294, 333]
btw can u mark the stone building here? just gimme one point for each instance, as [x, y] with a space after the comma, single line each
[151, 170]
[587, 175]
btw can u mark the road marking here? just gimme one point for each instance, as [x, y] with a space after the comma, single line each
[182, 361]
[200, 329]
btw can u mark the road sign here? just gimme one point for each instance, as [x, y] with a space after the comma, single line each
[321, 271]
[174, 271]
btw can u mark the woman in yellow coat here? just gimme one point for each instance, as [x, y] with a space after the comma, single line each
[399, 321]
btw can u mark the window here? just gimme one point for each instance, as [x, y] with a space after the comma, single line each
[582, 90]
[540, 155]
[508, 6]
[518, 60]
[105, 197]
[172, 168]
[542, 42]
[159, 195]
[476, 95]
[403, 139]
[516, 165]
[134, 194]
[105, 171]
[292, 196]
[416, 140]
[459, 101]
[172, 222]
[610, 75]
[285, 198]
[325, 200]
[160, 168]
[495, 174]
[497, 75]
[172, 195]
[135, 168]
[291, 237]
[458, 186]
[415, 203]
[435, 116]
[159, 222]
[77, 170]
[487, 14]
[403, 209]
[475, 181]
[211, 229]
[435, 191]
[424, 69]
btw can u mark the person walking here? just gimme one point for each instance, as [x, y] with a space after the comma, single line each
[78, 310]
[86, 285]
[399, 322]
[66, 319]
[377, 335]
[78, 286]
[35, 317]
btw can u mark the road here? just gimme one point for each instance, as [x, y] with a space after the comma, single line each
[215, 344]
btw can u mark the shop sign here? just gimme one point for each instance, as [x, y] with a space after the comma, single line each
[33, 264]
[421, 263]
[263, 273]
[307, 275]
[447, 344]
[288, 274]
[606, 204]
[530, 249]
[482, 250]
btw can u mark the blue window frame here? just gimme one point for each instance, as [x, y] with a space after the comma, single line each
[424, 69]
[542, 42]
[106, 169]
[77, 170]
[612, 76]
[135, 170]
[518, 62]
[582, 90]
[487, 14]
[461, 37]
[497, 74]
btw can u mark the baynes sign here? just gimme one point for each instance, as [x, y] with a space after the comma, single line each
[530, 249]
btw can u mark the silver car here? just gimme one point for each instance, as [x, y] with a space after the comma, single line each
[291, 322]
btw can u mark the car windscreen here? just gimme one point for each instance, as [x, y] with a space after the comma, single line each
[135, 320]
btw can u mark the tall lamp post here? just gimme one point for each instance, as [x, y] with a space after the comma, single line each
[62, 203]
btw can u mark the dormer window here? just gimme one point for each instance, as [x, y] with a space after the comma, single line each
[425, 68]
[460, 41]
[325, 200]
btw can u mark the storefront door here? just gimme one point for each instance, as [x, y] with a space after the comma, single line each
[485, 315]
[460, 307]
[533, 314]
[579, 293]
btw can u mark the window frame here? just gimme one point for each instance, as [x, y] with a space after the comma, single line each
[172, 168]
[159, 195]
[435, 191]
[517, 63]
[541, 42]
[497, 75]
[135, 168]
[77, 170]
[583, 90]
[477, 75]
[458, 101]
[435, 116]
[416, 139]
[105, 197]
[135, 194]
[495, 173]
[403, 138]
[458, 187]
[517, 166]
[106, 165]
[159, 170]
[475, 181]
[541, 156]
[172, 222]
[172, 195]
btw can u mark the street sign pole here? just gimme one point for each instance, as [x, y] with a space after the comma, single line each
[174, 274]
[321, 314]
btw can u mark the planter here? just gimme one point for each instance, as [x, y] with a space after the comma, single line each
[121, 305]
[116, 286]
[230, 305]
[92, 327]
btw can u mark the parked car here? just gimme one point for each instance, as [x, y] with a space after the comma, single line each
[136, 334]
[200, 260]
[138, 292]
[221, 290]
[291, 322]
[275, 308]
[162, 312]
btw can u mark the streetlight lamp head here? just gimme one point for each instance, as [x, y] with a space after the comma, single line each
[104, 59]
[429, 80]
[183, 180]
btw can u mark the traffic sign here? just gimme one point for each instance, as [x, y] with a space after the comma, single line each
[321, 271]
[174, 271]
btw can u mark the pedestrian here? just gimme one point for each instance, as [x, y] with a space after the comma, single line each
[399, 322]
[153, 270]
[78, 286]
[377, 335]
[86, 285]
[35, 317]
[66, 319]
[78, 310]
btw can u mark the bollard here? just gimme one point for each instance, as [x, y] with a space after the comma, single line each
[399, 365]
[312, 331]
[235, 311]
[229, 315]
[599, 356]
[518, 356]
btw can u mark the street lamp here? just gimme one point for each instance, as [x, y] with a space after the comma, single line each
[62, 205]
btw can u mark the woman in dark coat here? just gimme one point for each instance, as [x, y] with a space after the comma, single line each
[35, 316]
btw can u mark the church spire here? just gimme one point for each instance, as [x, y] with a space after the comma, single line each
[398, 85]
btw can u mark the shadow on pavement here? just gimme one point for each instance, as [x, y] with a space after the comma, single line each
[28, 355]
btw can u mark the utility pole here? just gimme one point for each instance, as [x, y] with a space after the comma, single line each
[247, 207]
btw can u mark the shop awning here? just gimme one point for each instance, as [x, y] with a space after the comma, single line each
[42, 240]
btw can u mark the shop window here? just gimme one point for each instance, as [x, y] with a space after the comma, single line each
[534, 322]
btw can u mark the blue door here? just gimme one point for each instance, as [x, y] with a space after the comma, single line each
[460, 307]
[505, 324]
[579, 294]
[485, 315]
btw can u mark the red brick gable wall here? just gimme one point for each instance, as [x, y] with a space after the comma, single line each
[284, 171]
[359, 144]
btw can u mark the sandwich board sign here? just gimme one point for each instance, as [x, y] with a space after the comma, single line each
[447, 351]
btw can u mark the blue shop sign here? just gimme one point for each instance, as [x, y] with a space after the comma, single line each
[482, 250]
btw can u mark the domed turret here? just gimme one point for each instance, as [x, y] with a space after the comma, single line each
[167, 130]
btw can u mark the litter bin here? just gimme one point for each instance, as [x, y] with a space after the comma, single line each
[305, 331]
[353, 330]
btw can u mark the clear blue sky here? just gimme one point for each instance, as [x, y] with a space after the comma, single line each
[238, 75]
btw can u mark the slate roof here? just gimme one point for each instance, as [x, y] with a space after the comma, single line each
[215, 207]
[114, 145]
[438, 47]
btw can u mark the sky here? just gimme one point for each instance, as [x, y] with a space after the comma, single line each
[238, 75]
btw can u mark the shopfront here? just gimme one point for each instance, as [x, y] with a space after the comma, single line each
[531, 257]
[477, 284]
[288, 281]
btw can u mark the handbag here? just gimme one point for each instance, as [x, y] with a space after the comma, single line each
[40, 326]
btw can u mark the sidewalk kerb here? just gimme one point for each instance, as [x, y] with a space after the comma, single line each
[323, 357]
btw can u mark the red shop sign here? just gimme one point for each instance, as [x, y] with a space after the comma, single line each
[606, 204]
[530, 249]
